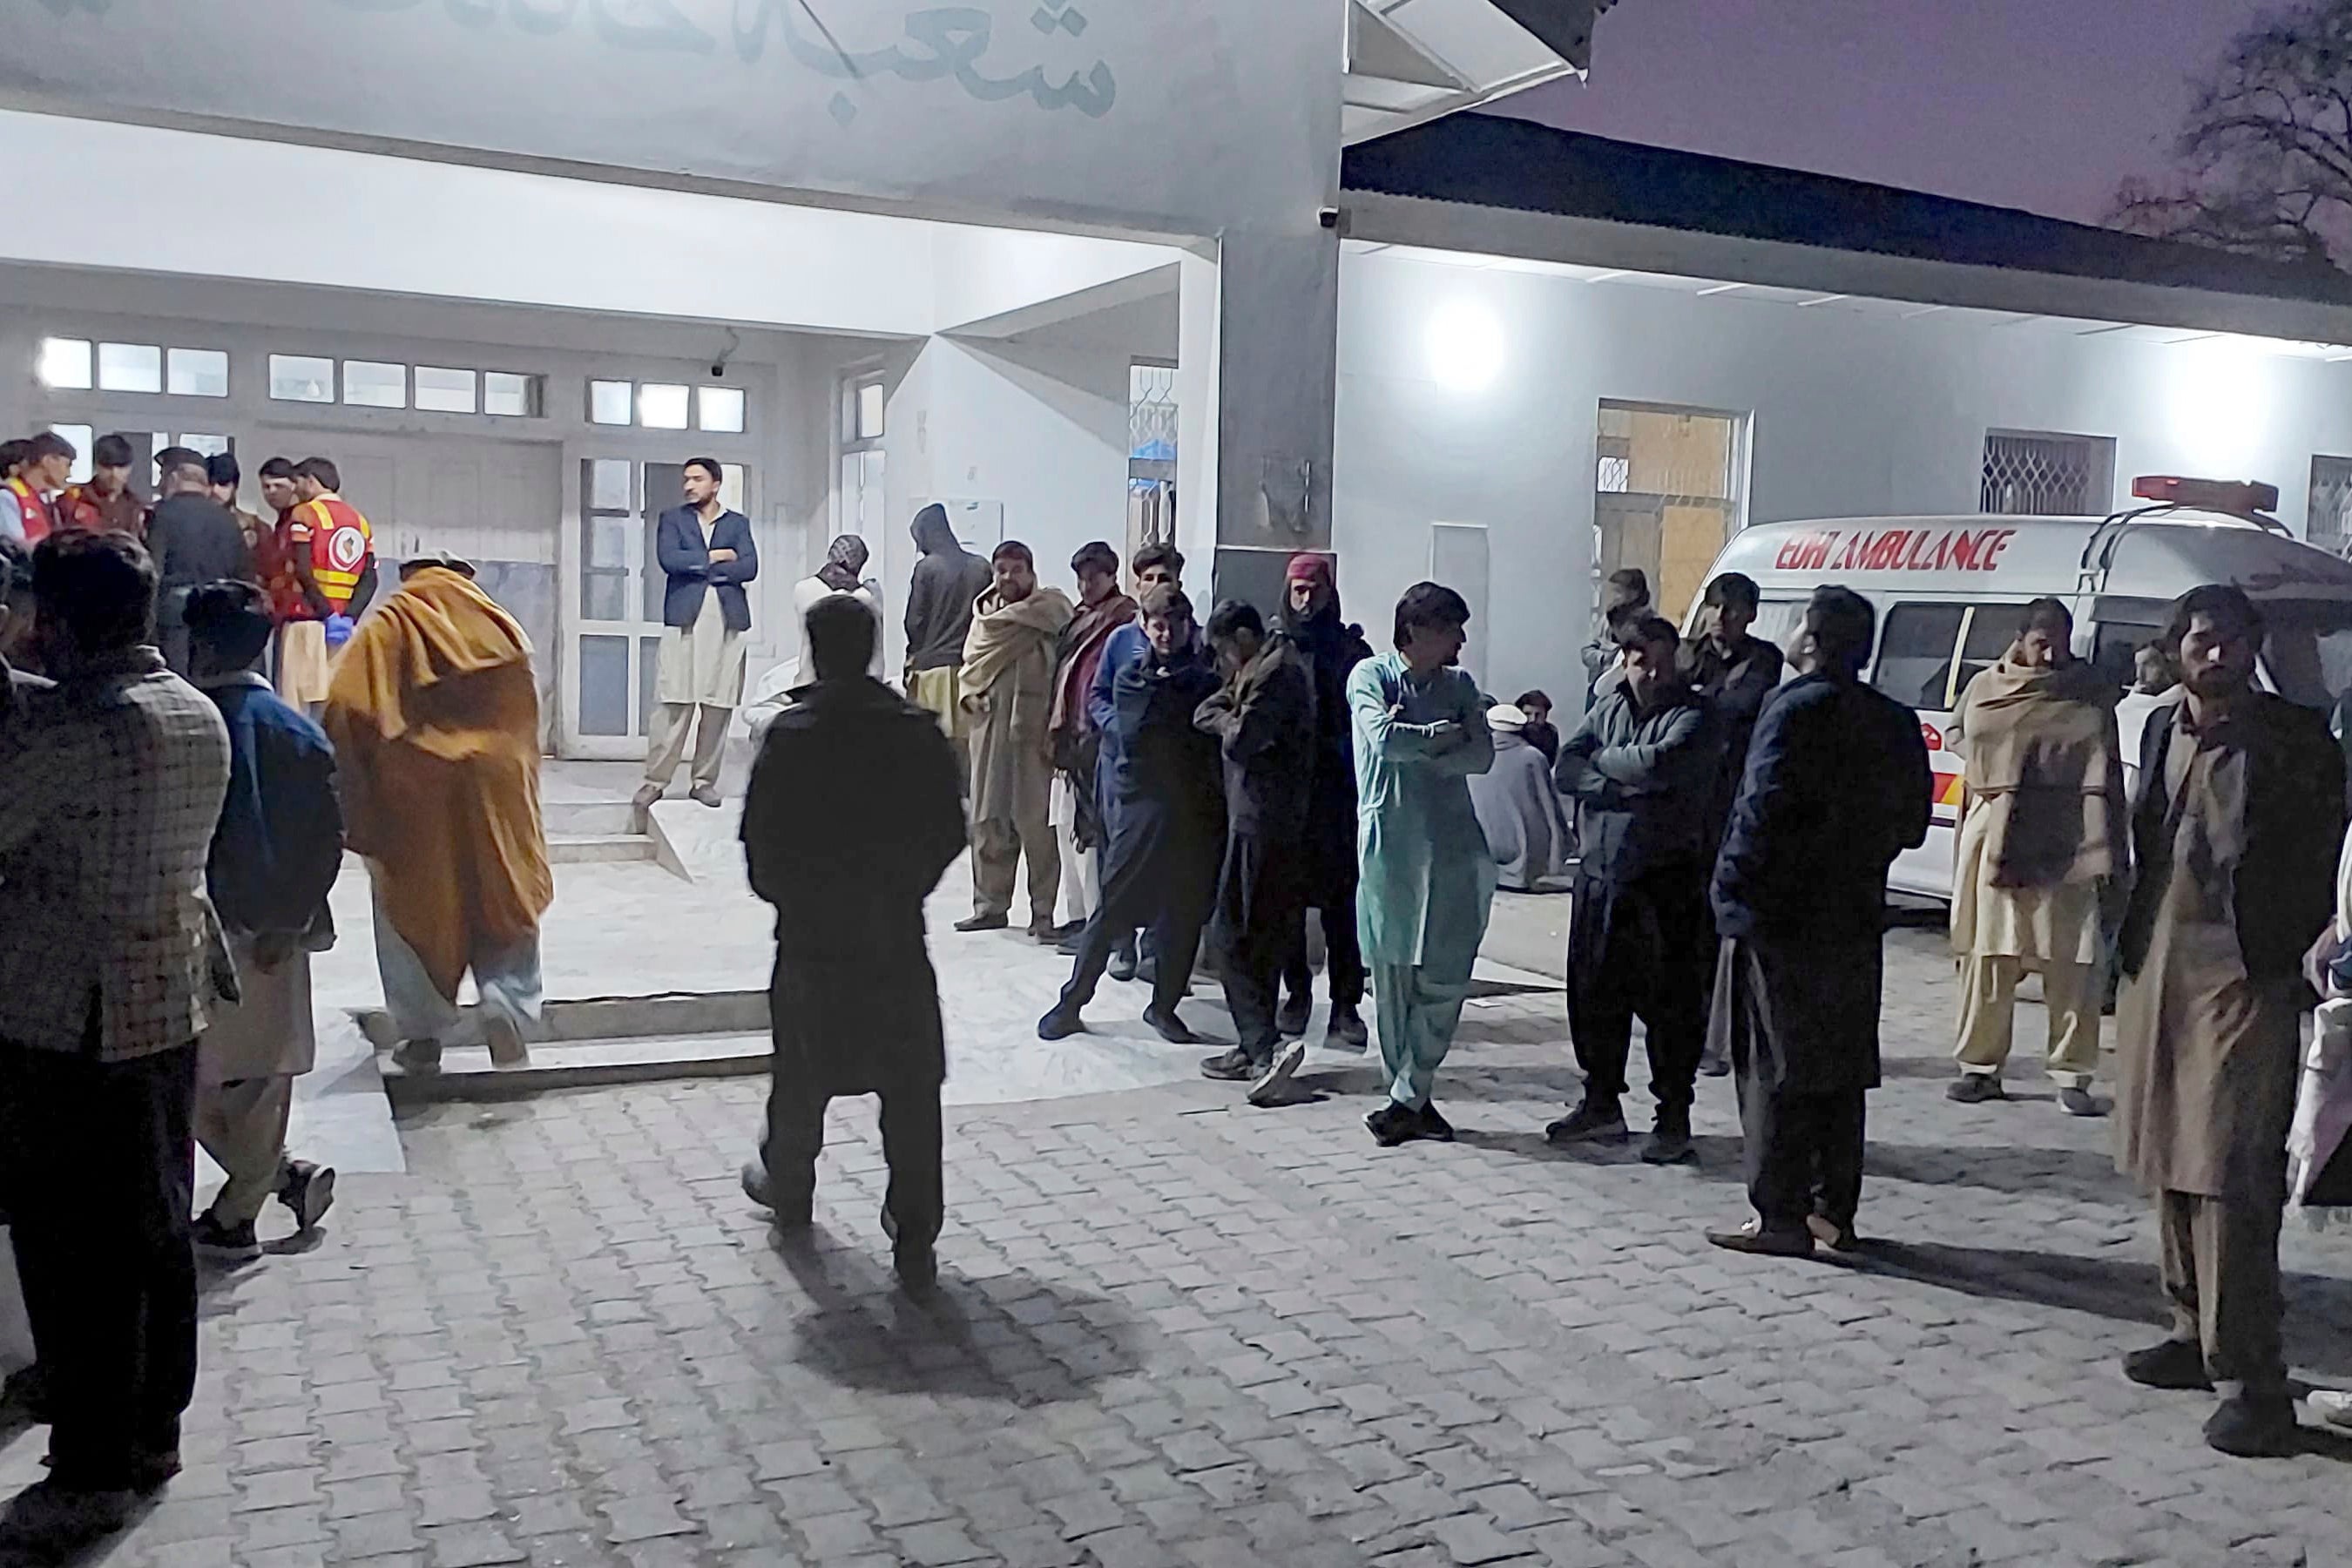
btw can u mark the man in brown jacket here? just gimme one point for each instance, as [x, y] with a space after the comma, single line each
[2040, 845]
[1007, 685]
[2240, 808]
[1264, 720]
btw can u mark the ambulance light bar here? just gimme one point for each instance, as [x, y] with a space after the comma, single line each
[2240, 499]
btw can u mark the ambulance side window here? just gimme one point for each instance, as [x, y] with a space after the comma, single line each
[1915, 649]
[1991, 628]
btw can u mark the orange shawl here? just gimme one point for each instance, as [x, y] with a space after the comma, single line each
[435, 716]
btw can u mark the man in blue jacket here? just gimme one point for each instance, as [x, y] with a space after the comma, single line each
[275, 855]
[706, 551]
[1837, 785]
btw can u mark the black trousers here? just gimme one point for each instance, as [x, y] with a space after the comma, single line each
[1804, 1154]
[1343, 953]
[101, 1160]
[911, 1140]
[1261, 924]
[1150, 879]
[1641, 949]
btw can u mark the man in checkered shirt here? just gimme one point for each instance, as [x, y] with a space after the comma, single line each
[114, 781]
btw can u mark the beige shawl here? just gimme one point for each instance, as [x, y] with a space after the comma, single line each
[1002, 635]
[2043, 757]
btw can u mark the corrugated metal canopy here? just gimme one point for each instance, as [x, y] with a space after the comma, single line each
[1413, 60]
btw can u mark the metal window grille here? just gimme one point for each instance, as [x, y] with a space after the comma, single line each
[2037, 474]
[1151, 413]
[2329, 524]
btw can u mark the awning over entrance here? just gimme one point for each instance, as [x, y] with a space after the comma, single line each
[1409, 61]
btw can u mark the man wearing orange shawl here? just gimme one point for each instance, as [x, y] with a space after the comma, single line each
[435, 716]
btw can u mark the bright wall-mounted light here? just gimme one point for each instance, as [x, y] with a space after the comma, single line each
[2220, 401]
[1465, 344]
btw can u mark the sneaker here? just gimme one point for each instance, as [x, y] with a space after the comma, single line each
[2332, 1406]
[309, 1191]
[918, 1267]
[796, 1215]
[2254, 1426]
[1975, 1088]
[1296, 1014]
[1830, 1233]
[52, 1520]
[417, 1058]
[646, 797]
[1594, 1121]
[2075, 1100]
[1393, 1124]
[1169, 1027]
[704, 795]
[1123, 964]
[1752, 1237]
[970, 923]
[1277, 1084]
[224, 1243]
[504, 1036]
[1231, 1067]
[1669, 1143]
[1347, 1032]
[1060, 1023]
[2173, 1364]
[1433, 1127]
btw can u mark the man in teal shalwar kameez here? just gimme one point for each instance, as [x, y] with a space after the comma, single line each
[1428, 876]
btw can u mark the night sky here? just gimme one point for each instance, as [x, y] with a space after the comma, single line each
[2043, 104]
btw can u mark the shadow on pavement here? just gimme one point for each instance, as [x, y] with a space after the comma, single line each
[2124, 1290]
[1006, 1336]
[2089, 1174]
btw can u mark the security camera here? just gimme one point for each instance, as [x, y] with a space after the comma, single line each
[719, 370]
[1328, 217]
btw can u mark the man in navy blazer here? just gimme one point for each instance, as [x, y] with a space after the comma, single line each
[707, 553]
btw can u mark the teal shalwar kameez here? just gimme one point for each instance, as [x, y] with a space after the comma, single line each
[1428, 875]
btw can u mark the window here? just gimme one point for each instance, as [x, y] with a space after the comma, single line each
[442, 391]
[198, 372]
[719, 409]
[299, 378]
[871, 408]
[1915, 655]
[2328, 523]
[1152, 434]
[863, 463]
[512, 396]
[612, 401]
[2038, 473]
[64, 364]
[368, 384]
[661, 405]
[83, 438]
[130, 367]
[1667, 486]
[1991, 628]
[608, 485]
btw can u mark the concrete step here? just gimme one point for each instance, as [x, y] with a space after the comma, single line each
[585, 817]
[580, 1020]
[580, 848]
[466, 1075]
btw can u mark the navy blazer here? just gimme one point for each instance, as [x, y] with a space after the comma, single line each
[678, 546]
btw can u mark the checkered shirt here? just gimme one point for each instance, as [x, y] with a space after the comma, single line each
[109, 785]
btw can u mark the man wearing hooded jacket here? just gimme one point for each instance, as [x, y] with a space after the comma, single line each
[1332, 648]
[947, 581]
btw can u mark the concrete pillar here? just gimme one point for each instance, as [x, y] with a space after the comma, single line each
[1257, 377]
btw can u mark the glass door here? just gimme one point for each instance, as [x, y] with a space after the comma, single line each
[615, 622]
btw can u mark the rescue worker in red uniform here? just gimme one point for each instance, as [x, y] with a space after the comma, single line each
[331, 555]
[26, 511]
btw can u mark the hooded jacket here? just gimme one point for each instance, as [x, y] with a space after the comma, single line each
[947, 581]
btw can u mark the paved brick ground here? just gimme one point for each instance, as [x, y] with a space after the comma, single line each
[1178, 1332]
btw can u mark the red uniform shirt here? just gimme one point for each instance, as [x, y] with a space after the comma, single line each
[82, 507]
[337, 541]
[35, 509]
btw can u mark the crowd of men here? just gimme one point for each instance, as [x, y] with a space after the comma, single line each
[177, 818]
[177, 821]
[315, 563]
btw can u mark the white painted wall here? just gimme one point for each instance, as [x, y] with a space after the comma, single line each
[1853, 415]
[404, 227]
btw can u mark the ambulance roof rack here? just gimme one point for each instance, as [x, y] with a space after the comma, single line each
[2247, 501]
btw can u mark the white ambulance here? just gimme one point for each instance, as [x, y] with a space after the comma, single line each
[1948, 589]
